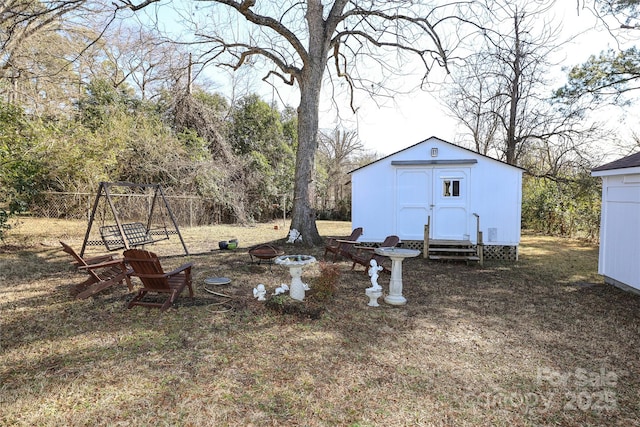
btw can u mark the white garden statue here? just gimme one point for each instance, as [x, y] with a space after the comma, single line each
[373, 273]
[260, 292]
[281, 289]
[294, 236]
[375, 291]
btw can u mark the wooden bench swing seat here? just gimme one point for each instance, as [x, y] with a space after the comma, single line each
[131, 234]
[136, 234]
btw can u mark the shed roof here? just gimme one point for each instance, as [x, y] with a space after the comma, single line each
[435, 138]
[632, 161]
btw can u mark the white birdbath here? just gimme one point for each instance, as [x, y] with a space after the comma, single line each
[397, 255]
[295, 263]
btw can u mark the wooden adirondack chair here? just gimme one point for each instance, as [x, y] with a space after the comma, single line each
[363, 255]
[342, 246]
[147, 267]
[104, 271]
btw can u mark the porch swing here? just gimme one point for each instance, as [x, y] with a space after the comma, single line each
[129, 235]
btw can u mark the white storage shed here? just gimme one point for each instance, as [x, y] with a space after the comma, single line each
[453, 188]
[619, 257]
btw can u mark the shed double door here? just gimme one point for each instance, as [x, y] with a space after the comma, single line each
[439, 193]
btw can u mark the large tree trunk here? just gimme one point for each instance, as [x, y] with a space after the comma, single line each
[304, 216]
[310, 82]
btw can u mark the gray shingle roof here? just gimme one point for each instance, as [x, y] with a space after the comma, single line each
[631, 161]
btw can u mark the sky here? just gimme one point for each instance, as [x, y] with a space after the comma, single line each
[385, 126]
[420, 115]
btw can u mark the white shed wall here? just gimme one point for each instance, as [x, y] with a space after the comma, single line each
[372, 202]
[495, 193]
[619, 257]
[498, 201]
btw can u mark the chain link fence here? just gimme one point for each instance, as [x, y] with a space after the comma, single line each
[188, 210]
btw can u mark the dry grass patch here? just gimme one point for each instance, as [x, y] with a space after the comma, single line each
[537, 342]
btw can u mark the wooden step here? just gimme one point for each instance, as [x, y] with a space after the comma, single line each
[455, 257]
[450, 249]
[439, 242]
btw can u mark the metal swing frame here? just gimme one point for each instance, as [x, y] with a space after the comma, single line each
[129, 235]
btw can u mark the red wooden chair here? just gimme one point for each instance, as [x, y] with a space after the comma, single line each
[342, 246]
[104, 271]
[146, 266]
[363, 255]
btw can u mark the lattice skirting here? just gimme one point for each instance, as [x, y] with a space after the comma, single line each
[491, 252]
[501, 253]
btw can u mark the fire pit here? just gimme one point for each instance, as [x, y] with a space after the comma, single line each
[295, 263]
[265, 253]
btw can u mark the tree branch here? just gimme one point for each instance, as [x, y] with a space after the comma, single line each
[249, 51]
[128, 4]
[266, 21]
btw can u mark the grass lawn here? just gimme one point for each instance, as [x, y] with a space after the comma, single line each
[537, 342]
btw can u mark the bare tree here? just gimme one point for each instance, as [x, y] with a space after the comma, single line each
[472, 100]
[146, 61]
[38, 41]
[338, 148]
[300, 39]
[502, 95]
[22, 19]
